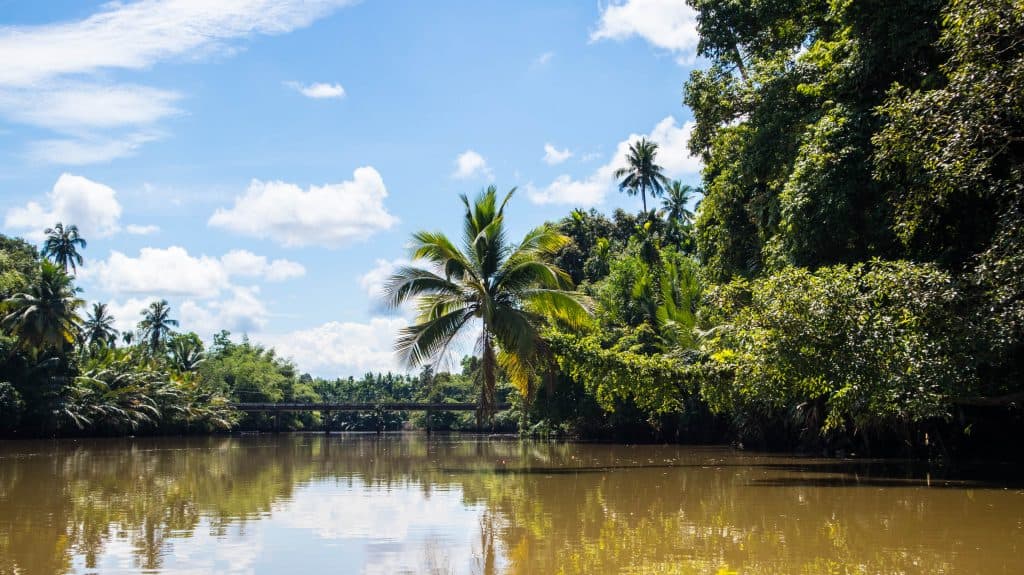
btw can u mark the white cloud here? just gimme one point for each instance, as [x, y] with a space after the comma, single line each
[85, 150]
[203, 297]
[246, 263]
[667, 24]
[139, 34]
[329, 215]
[56, 76]
[342, 348]
[76, 106]
[160, 271]
[565, 190]
[553, 156]
[170, 272]
[470, 164]
[77, 200]
[673, 151]
[138, 230]
[673, 156]
[318, 90]
[128, 314]
[373, 281]
[241, 312]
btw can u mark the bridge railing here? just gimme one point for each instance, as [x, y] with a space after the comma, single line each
[385, 405]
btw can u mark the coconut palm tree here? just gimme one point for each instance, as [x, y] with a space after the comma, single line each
[45, 316]
[500, 292]
[156, 324]
[642, 175]
[61, 246]
[99, 326]
[677, 196]
[186, 352]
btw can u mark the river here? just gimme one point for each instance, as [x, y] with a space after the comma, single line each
[462, 504]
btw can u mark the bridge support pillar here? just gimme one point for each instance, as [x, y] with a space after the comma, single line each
[327, 423]
[429, 419]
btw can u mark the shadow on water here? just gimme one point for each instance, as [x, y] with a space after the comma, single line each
[816, 473]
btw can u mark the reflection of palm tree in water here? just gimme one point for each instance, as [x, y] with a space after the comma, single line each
[544, 507]
[485, 559]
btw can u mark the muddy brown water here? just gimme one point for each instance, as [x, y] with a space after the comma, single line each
[462, 504]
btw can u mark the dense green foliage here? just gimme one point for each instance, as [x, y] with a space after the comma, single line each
[849, 275]
[855, 272]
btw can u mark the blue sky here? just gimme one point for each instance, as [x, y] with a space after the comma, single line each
[261, 164]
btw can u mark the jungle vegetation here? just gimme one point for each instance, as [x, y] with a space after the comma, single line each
[848, 273]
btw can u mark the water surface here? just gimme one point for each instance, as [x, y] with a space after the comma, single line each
[406, 504]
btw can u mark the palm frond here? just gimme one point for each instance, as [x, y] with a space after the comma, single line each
[409, 282]
[422, 342]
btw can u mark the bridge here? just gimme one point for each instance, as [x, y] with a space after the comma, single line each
[327, 408]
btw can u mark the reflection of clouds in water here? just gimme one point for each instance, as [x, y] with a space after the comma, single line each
[402, 529]
[383, 530]
[200, 553]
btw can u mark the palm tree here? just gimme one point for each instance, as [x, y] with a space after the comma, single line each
[642, 175]
[677, 196]
[62, 245]
[186, 352]
[46, 315]
[99, 326]
[156, 324]
[506, 291]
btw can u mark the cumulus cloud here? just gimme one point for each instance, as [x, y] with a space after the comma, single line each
[172, 271]
[200, 288]
[128, 313]
[77, 200]
[331, 215]
[318, 90]
[544, 58]
[373, 281]
[246, 263]
[241, 311]
[54, 75]
[667, 24]
[160, 271]
[341, 348]
[553, 156]
[470, 164]
[673, 156]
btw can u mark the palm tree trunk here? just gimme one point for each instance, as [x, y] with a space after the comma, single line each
[488, 379]
[643, 197]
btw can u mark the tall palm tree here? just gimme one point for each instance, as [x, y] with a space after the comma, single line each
[677, 196]
[642, 175]
[45, 316]
[99, 326]
[156, 324]
[62, 245]
[506, 291]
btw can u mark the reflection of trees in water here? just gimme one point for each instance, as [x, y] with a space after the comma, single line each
[548, 508]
